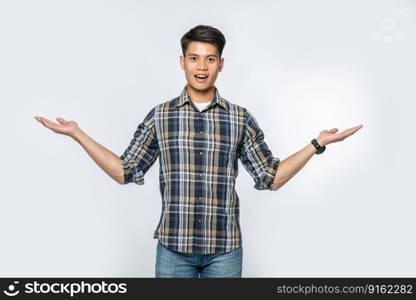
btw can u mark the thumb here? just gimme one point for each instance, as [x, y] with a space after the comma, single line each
[334, 130]
[61, 121]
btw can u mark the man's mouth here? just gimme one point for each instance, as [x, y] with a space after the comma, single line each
[201, 77]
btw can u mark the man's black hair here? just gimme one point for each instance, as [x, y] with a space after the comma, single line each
[203, 33]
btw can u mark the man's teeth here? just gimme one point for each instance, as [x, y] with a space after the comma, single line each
[201, 76]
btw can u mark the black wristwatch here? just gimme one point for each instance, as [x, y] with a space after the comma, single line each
[319, 149]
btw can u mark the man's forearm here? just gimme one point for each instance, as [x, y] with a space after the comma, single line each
[104, 158]
[291, 165]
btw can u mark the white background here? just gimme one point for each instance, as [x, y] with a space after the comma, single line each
[298, 66]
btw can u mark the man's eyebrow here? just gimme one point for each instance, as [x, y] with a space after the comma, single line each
[206, 55]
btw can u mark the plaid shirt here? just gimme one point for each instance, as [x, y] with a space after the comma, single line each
[198, 158]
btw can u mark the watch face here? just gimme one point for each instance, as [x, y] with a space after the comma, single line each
[318, 148]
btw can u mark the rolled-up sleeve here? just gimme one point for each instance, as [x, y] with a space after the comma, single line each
[142, 151]
[256, 156]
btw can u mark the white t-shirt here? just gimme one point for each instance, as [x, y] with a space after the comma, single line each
[201, 105]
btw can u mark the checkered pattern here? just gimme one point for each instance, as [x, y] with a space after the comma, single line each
[198, 155]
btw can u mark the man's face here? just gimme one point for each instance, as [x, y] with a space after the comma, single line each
[201, 60]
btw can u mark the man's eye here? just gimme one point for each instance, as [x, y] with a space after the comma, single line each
[211, 59]
[193, 58]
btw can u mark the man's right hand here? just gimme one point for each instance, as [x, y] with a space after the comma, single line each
[63, 127]
[104, 158]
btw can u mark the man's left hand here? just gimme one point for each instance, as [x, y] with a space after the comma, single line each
[330, 136]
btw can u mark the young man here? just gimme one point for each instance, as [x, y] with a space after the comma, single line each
[199, 137]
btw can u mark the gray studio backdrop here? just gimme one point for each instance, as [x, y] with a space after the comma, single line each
[298, 66]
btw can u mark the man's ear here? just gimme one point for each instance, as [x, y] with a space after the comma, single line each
[221, 64]
[182, 62]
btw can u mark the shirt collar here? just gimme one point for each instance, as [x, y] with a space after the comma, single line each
[184, 97]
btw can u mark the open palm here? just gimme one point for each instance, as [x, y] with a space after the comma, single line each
[63, 127]
[330, 136]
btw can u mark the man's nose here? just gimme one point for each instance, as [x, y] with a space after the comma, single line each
[202, 64]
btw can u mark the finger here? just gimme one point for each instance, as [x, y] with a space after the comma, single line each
[60, 120]
[38, 118]
[356, 128]
[49, 124]
[43, 121]
[350, 131]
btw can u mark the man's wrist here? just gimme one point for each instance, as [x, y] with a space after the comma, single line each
[320, 148]
[320, 142]
[76, 135]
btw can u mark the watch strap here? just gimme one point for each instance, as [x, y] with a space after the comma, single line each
[319, 148]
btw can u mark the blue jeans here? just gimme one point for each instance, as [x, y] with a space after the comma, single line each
[170, 263]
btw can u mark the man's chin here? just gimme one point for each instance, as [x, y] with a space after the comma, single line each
[201, 87]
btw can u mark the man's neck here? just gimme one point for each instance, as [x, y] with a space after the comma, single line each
[200, 96]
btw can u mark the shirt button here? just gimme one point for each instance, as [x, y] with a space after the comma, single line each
[201, 152]
[201, 132]
[201, 175]
[200, 198]
[199, 220]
